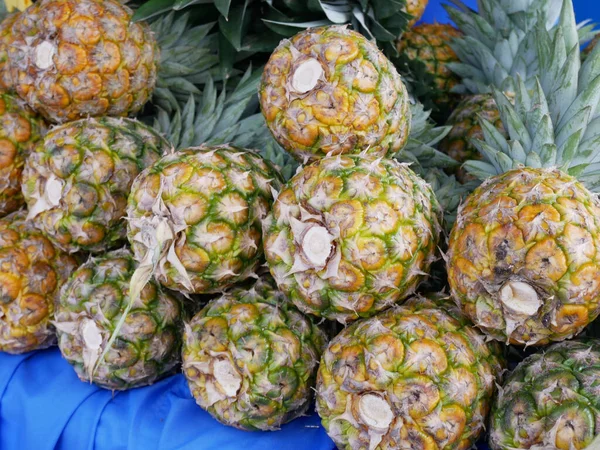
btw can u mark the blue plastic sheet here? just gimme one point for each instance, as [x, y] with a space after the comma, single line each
[43, 406]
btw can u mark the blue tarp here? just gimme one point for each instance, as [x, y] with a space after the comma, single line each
[44, 406]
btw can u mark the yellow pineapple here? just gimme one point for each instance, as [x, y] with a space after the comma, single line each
[79, 58]
[523, 257]
[416, 8]
[329, 90]
[429, 44]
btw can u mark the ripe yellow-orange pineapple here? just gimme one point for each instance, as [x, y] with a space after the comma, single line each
[78, 58]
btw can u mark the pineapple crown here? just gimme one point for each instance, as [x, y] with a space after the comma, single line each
[250, 26]
[557, 122]
[187, 58]
[226, 117]
[500, 41]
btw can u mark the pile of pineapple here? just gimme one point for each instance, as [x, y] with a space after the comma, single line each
[398, 278]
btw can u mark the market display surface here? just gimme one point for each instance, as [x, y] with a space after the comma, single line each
[279, 224]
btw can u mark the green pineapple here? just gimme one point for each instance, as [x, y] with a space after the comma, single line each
[194, 217]
[550, 401]
[77, 181]
[417, 376]
[522, 255]
[351, 235]
[251, 358]
[107, 343]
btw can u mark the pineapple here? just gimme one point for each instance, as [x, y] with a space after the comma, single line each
[329, 90]
[417, 376]
[21, 130]
[416, 8]
[251, 358]
[77, 181]
[108, 344]
[77, 58]
[464, 121]
[351, 235]
[6, 82]
[522, 258]
[497, 42]
[195, 216]
[429, 44]
[550, 401]
[32, 271]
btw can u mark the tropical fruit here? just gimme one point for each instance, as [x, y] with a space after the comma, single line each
[417, 376]
[484, 61]
[195, 216]
[329, 90]
[351, 235]
[429, 44]
[416, 8]
[71, 59]
[21, 130]
[522, 257]
[77, 181]
[550, 401]
[6, 82]
[465, 123]
[251, 358]
[108, 344]
[32, 271]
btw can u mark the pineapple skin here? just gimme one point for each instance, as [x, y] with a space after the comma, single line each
[536, 226]
[214, 199]
[33, 271]
[550, 400]
[416, 8]
[428, 367]
[272, 349]
[148, 345]
[359, 103]
[21, 130]
[6, 81]
[465, 124]
[92, 163]
[71, 59]
[430, 44]
[383, 222]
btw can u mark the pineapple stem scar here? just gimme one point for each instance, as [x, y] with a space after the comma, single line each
[307, 75]
[316, 245]
[520, 298]
[375, 412]
[44, 54]
[227, 377]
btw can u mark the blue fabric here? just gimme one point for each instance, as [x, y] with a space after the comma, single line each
[44, 406]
